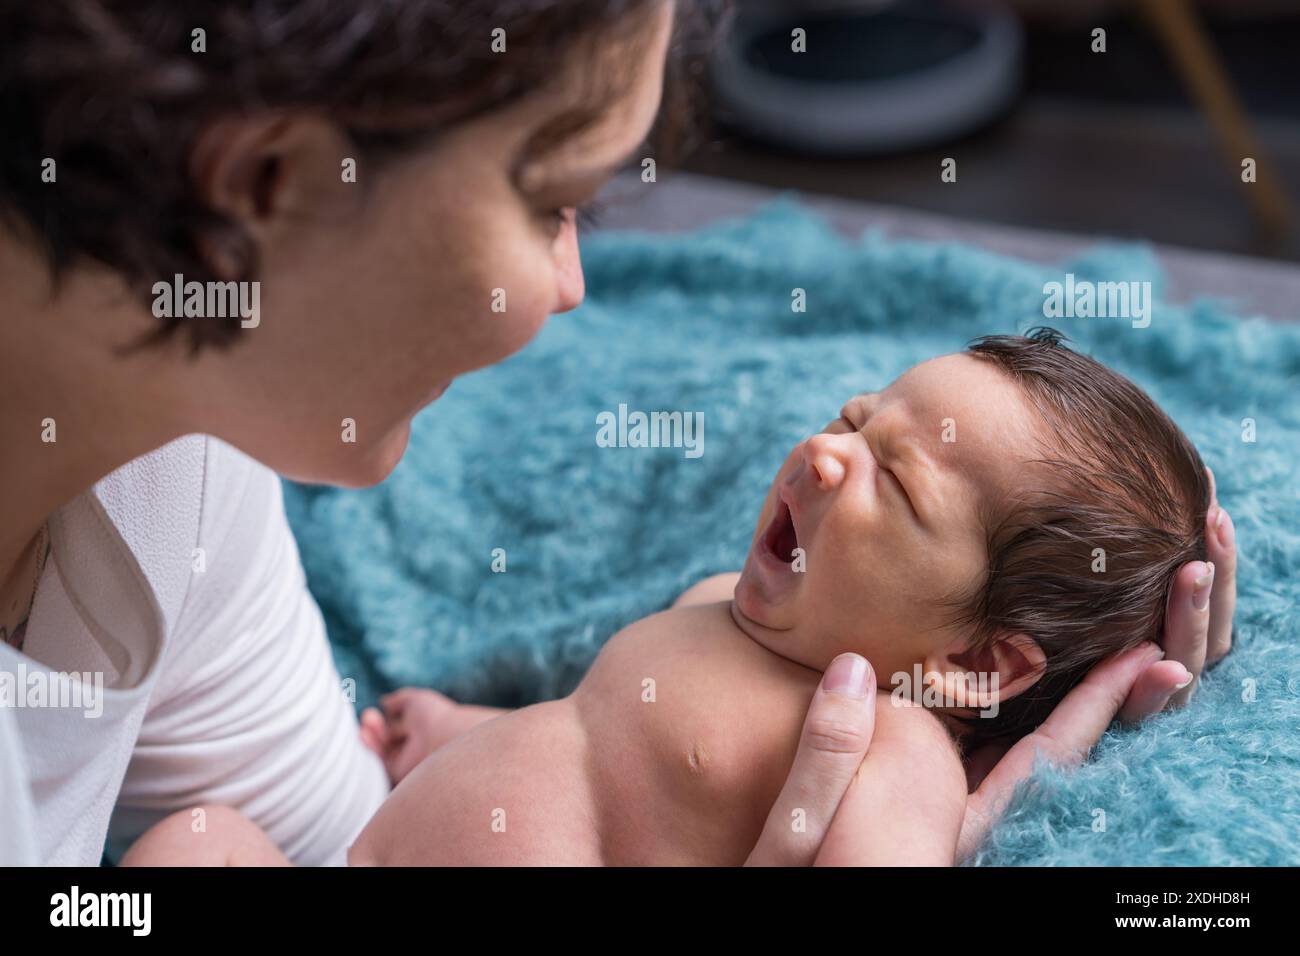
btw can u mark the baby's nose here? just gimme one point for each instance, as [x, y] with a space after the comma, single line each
[825, 459]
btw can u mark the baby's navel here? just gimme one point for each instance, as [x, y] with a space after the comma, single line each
[697, 758]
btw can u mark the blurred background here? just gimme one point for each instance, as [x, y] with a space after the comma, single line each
[1138, 132]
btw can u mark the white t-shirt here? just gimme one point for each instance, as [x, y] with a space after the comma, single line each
[178, 579]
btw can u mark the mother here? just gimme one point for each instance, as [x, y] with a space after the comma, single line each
[400, 179]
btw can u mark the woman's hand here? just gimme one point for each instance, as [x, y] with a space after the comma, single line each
[1198, 632]
[1064, 739]
[836, 735]
[1133, 685]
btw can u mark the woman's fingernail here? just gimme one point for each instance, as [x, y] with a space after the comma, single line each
[1226, 532]
[1185, 681]
[848, 675]
[1201, 588]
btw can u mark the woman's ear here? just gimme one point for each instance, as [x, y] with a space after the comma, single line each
[264, 171]
[994, 673]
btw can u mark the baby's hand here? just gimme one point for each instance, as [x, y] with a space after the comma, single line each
[414, 723]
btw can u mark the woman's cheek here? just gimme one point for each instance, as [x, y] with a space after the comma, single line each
[522, 321]
[507, 310]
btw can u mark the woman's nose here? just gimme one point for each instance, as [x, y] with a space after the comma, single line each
[826, 457]
[570, 286]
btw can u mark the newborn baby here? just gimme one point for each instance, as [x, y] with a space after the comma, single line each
[1000, 520]
[1016, 511]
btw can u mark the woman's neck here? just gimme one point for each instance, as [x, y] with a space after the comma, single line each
[71, 410]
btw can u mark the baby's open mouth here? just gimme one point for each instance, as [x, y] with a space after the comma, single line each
[780, 538]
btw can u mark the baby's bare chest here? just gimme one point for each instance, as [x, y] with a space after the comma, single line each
[691, 730]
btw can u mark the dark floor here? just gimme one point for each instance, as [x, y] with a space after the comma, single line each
[1101, 146]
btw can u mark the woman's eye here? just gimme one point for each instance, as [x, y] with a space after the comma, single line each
[554, 218]
[586, 216]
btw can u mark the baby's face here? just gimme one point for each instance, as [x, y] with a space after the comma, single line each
[887, 507]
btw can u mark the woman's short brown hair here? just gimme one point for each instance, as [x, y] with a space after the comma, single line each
[112, 91]
[1084, 567]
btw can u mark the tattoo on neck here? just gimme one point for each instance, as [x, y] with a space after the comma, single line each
[15, 639]
[15, 636]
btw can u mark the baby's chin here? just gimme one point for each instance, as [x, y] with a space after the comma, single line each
[754, 601]
[808, 631]
[769, 586]
[793, 640]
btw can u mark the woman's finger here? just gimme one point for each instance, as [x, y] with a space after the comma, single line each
[1149, 695]
[1221, 539]
[836, 735]
[1064, 738]
[980, 762]
[1152, 690]
[1187, 622]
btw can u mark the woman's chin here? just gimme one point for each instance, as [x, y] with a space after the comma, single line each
[363, 466]
[384, 458]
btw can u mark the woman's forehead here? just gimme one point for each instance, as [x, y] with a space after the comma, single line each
[590, 137]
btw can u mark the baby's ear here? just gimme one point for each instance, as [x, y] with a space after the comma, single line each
[975, 677]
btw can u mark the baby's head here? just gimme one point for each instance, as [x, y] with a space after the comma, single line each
[1016, 509]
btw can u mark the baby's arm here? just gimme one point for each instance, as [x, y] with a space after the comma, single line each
[905, 806]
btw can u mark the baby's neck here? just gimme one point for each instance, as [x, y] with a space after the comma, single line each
[769, 640]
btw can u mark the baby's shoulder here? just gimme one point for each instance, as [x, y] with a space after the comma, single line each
[915, 737]
[902, 717]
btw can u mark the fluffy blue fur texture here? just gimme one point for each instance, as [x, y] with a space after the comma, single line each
[597, 537]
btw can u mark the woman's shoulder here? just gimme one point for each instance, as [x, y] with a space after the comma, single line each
[180, 505]
[172, 484]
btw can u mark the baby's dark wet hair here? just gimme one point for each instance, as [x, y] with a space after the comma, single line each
[1122, 488]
